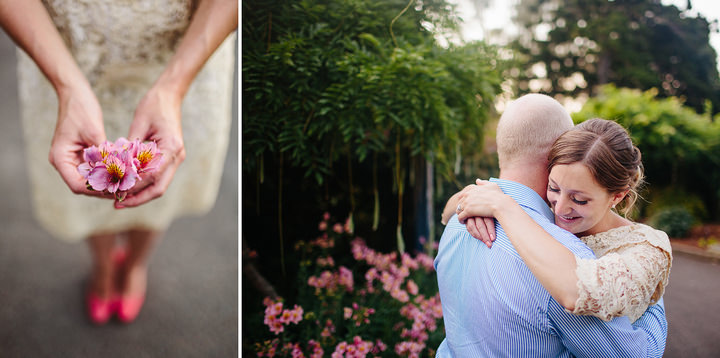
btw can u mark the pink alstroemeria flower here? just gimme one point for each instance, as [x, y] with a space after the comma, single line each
[122, 144]
[147, 156]
[117, 172]
[94, 155]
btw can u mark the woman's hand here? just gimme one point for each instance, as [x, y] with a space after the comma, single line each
[157, 118]
[79, 125]
[477, 206]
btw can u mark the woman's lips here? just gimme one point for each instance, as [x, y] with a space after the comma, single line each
[567, 219]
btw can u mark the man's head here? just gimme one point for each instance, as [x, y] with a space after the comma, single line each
[525, 133]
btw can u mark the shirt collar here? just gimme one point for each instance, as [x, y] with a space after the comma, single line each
[525, 197]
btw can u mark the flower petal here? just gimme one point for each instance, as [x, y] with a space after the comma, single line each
[99, 178]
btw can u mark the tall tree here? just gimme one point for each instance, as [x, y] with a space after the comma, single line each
[572, 46]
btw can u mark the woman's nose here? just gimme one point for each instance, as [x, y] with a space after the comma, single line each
[562, 206]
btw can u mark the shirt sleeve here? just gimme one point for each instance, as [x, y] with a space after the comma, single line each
[622, 283]
[587, 336]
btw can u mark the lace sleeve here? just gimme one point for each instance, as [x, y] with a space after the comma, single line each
[622, 283]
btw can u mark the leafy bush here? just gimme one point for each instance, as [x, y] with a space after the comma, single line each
[353, 301]
[662, 198]
[675, 221]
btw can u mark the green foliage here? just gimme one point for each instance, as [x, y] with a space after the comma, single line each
[661, 198]
[323, 80]
[679, 148]
[674, 221]
[644, 44]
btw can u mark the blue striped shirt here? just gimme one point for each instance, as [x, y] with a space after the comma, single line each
[493, 306]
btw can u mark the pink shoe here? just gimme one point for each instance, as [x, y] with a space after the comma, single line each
[129, 308]
[99, 309]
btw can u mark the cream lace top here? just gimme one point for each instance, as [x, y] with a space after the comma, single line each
[122, 46]
[630, 273]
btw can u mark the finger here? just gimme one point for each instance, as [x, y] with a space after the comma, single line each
[462, 213]
[483, 233]
[77, 184]
[490, 225]
[151, 192]
[472, 227]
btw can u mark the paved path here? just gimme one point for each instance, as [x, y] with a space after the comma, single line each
[192, 304]
[692, 304]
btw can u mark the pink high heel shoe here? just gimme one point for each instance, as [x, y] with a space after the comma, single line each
[99, 309]
[129, 308]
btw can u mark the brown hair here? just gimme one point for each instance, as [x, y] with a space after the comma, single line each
[606, 149]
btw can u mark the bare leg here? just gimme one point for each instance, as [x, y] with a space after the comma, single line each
[102, 279]
[140, 244]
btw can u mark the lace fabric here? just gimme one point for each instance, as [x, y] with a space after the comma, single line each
[122, 46]
[631, 272]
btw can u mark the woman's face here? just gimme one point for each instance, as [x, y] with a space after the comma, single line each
[580, 204]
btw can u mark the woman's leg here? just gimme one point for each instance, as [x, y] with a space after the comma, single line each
[140, 244]
[102, 279]
[99, 299]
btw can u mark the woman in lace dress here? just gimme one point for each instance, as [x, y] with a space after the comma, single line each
[593, 168]
[97, 70]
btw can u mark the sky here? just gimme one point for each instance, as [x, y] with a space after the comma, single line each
[499, 16]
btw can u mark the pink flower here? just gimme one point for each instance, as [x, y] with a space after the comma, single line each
[116, 173]
[296, 352]
[92, 156]
[274, 309]
[285, 317]
[412, 287]
[347, 312]
[296, 315]
[277, 327]
[322, 226]
[338, 228]
[147, 156]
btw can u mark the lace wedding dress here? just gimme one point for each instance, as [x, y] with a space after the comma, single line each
[122, 47]
[631, 272]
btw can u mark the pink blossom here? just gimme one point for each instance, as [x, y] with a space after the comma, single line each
[296, 352]
[147, 156]
[338, 228]
[412, 287]
[346, 278]
[277, 327]
[322, 226]
[116, 173]
[314, 346]
[348, 225]
[296, 315]
[285, 317]
[347, 312]
[326, 216]
[274, 309]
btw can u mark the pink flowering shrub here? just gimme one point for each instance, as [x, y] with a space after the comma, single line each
[115, 167]
[353, 301]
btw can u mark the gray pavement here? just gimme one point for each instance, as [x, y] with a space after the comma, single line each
[692, 306]
[192, 303]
